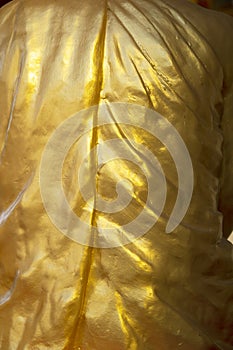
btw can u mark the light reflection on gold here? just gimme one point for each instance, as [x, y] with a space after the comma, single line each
[161, 291]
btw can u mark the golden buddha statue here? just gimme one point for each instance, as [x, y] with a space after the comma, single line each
[115, 176]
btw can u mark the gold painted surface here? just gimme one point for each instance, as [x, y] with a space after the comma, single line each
[161, 291]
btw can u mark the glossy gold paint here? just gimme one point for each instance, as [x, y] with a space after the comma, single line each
[161, 291]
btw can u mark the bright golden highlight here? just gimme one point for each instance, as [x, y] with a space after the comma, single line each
[158, 290]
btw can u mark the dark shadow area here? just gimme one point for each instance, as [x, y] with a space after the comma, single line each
[2, 2]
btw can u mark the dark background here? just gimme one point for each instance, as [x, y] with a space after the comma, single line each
[2, 2]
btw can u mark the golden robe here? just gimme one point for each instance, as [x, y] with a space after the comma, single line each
[163, 290]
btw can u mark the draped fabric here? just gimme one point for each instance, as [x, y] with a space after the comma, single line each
[160, 290]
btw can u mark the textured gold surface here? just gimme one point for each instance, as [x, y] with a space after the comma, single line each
[161, 291]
